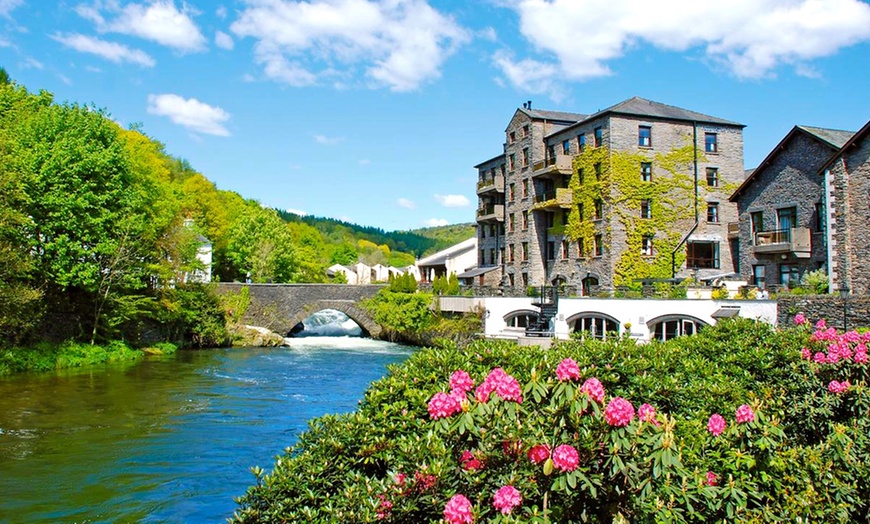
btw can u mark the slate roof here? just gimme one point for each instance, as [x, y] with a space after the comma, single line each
[440, 258]
[637, 106]
[862, 133]
[834, 137]
[543, 114]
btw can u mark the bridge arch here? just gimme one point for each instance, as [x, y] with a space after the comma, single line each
[348, 307]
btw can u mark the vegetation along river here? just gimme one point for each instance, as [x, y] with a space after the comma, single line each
[170, 439]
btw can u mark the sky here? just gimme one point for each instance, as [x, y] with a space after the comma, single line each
[376, 111]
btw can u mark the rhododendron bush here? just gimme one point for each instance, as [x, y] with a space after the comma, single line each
[732, 424]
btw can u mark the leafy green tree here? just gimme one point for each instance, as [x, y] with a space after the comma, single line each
[4, 77]
[344, 254]
[260, 246]
[452, 287]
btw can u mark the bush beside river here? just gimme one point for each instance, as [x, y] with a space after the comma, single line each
[738, 423]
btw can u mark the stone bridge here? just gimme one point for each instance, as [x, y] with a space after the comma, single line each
[280, 307]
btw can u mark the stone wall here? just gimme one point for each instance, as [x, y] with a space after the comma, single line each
[832, 308]
[857, 162]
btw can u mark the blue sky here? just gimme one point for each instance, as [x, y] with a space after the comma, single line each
[376, 111]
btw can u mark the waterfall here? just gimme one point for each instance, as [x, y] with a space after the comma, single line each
[329, 323]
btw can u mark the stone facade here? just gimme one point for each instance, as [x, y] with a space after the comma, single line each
[787, 182]
[838, 312]
[538, 153]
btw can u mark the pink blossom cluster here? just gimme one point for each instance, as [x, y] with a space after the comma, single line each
[567, 370]
[716, 424]
[712, 479]
[506, 499]
[744, 414]
[424, 481]
[460, 380]
[504, 385]
[539, 453]
[593, 388]
[647, 413]
[458, 510]
[565, 458]
[850, 346]
[443, 405]
[838, 387]
[800, 319]
[384, 507]
[619, 412]
[469, 462]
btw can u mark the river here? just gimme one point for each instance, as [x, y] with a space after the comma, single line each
[169, 439]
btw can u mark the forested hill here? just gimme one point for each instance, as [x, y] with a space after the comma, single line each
[417, 242]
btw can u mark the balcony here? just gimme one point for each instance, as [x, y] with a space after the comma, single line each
[558, 165]
[795, 241]
[490, 213]
[561, 198]
[733, 229]
[488, 185]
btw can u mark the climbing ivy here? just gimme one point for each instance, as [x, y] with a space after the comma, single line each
[619, 186]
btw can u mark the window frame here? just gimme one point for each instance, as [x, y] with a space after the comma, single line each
[598, 136]
[713, 213]
[711, 146]
[646, 208]
[714, 171]
[646, 172]
[644, 136]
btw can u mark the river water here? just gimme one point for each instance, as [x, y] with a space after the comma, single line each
[170, 439]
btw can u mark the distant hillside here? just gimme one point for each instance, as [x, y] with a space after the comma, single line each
[417, 243]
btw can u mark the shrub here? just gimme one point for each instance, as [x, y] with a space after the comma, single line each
[626, 441]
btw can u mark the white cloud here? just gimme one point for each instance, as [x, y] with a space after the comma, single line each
[32, 63]
[296, 211]
[751, 38]
[93, 69]
[6, 6]
[159, 21]
[65, 79]
[400, 44]
[434, 222]
[112, 51]
[223, 40]
[190, 113]
[407, 204]
[221, 12]
[364, 162]
[327, 140]
[453, 200]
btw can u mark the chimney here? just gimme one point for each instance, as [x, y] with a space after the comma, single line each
[529, 104]
[525, 106]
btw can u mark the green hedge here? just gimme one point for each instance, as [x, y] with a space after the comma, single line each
[48, 357]
[804, 456]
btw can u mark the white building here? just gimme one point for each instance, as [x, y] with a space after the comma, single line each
[455, 259]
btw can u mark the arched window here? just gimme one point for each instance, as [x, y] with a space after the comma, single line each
[596, 325]
[673, 326]
[587, 284]
[521, 319]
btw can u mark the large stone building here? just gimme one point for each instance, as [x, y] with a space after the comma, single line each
[781, 209]
[637, 190]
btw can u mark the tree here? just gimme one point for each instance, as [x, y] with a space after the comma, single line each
[4, 77]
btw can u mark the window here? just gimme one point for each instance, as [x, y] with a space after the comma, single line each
[482, 258]
[711, 144]
[525, 280]
[599, 210]
[646, 246]
[525, 187]
[713, 212]
[492, 259]
[581, 248]
[646, 171]
[819, 217]
[521, 320]
[549, 219]
[511, 279]
[599, 246]
[644, 136]
[565, 217]
[566, 147]
[511, 222]
[512, 192]
[551, 151]
[526, 130]
[502, 170]
[581, 143]
[789, 275]
[565, 248]
[551, 250]
[672, 327]
[702, 255]
[598, 171]
[645, 209]
[511, 252]
[512, 137]
[712, 177]
[525, 251]
[758, 276]
[525, 220]
[756, 220]
[598, 137]
[595, 326]
[512, 162]
[525, 157]
[580, 175]
[786, 219]
[580, 210]
[482, 233]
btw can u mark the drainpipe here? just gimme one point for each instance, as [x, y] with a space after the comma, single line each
[695, 225]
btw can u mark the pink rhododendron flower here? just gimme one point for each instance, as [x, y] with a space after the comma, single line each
[461, 381]
[716, 424]
[424, 482]
[851, 336]
[483, 391]
[384, 507]
[833, 358]
[806, 354]
[647, 413]
[821, 324]
[819, 358]
[566, 458]
[712, 479]
[567, 370]
[744, 414]
[838, 387]
[504, 385]
[469, 462]
[506, 499]
[458, 510]
[860, 357]
[619, 412]
[800, 319]
[400, 479]
[443, 405]
[539, 453]
[593, 388]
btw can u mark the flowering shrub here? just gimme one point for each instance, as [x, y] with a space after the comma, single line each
[793, 443]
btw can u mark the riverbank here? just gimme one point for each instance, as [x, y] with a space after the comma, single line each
[47, 356]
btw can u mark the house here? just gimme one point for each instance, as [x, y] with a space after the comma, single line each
[637, 190]
[455, 259]
[350, 275]
[780, 233]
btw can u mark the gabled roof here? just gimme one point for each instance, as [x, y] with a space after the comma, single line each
[489, 160]
[834, 137]
[821, 135]
[441, 257]
[561, 116]
[857, 137]
[637, 106]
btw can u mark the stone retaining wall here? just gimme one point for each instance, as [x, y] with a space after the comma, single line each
[832, 308]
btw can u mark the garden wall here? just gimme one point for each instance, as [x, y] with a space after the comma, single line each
[832, 308]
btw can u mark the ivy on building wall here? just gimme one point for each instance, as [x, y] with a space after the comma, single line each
[614, 179]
